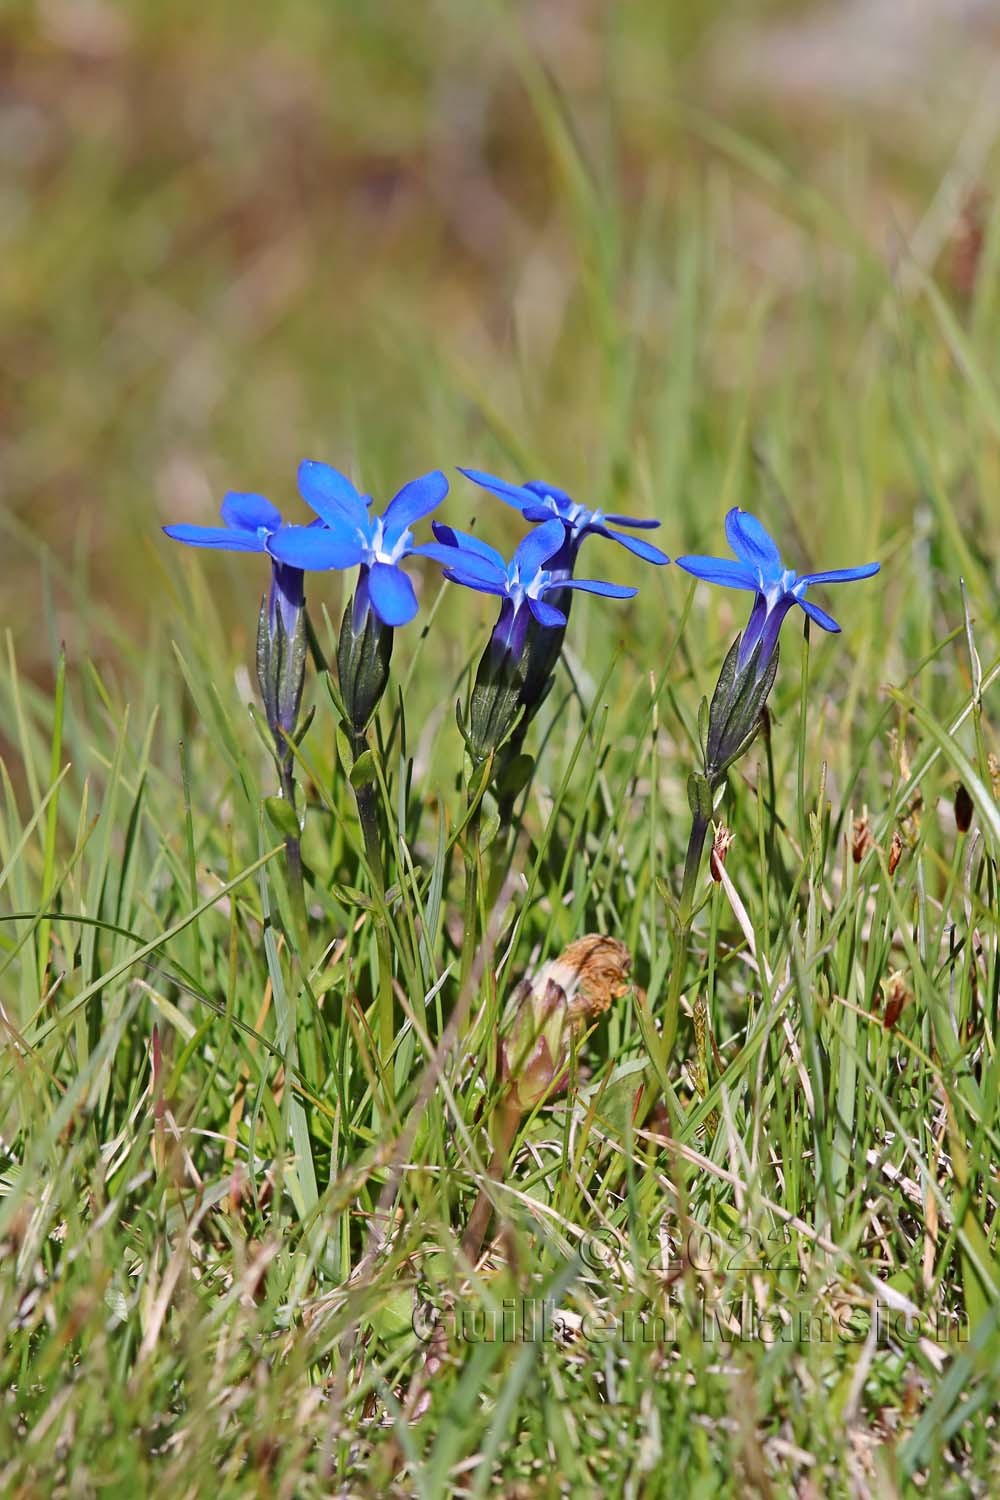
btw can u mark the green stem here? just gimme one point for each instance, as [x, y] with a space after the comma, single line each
[470, 905]
[505, 1129]
[364, 796]
[293, 850]
[501, 852]
[692, 865]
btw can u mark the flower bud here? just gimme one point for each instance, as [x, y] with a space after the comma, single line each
[364, 651]
[733, 719]
[513, 679]
[281, 652]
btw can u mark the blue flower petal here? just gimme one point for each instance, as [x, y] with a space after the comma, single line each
[391, 593]
[456, 575]
[546, 614]
[514, 494]
[640, 525]
[539, 514]
[822, 619]
[316, 547]
[540, 488]
[471, 564]
[224, 538]
[752, 544]
[841, 575]
[635, 544]
[249, 511]
[416, 499]
[332, 495]
[537, 547]
[595, 586]
[731, 575]
[771, 627]
[755, 625]
[450, 536]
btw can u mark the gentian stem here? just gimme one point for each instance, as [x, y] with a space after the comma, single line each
[293, 846]
[692, 865]
[281, 662]
[364, 650]
[728, 726]
[470, 904]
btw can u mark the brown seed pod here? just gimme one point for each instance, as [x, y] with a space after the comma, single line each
[861, 838]
[897, 995]
[720, 848]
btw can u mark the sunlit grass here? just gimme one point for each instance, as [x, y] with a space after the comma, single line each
[230, 1225]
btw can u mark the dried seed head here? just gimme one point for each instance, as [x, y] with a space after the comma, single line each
[592, 971]
[899, 753]
[963, 809]
[968, 239]
[897, 994]
[720, 848]
[861, 838]
[895, 851]
[912, 817]
[550, 1007]
[993, 766]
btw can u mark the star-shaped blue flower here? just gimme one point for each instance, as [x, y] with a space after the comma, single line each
[540, 502]
[525, 580]
[251, 522]
[350, 536]
[758, 567]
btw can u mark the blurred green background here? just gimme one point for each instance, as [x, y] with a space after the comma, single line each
[672, 257]
[604, 244]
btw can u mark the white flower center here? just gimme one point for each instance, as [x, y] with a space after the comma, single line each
[519, 589]
[376, 548]
[776, 588]
[577, 516]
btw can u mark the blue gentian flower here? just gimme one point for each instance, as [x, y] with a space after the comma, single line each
[758, 567]
[251, 522]
[539, 502]
[350, 536]
[523, 582]
[516, 670]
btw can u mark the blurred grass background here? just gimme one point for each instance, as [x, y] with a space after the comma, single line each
[394, 237]
[627, 248]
